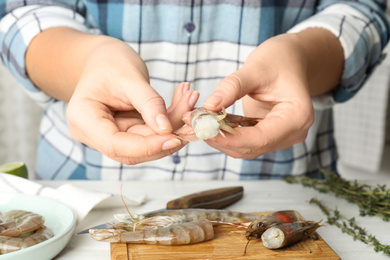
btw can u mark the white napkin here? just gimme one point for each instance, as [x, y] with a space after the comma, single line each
[81, 200]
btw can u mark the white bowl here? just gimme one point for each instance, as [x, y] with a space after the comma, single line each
[60, 219]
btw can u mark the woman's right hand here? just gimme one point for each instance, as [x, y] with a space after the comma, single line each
[115, 110]
[102, 77]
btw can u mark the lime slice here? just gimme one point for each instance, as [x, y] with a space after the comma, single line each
[15, 168]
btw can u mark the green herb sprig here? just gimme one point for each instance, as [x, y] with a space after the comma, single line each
[350, 227]
[371, 200]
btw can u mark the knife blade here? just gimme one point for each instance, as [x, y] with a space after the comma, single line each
[207, 199]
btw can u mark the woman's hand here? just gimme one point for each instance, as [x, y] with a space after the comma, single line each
[112, 107]
[123, 135]
[276, 83]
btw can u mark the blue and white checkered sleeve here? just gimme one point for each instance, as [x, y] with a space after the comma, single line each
[19, 26]
[363, 30]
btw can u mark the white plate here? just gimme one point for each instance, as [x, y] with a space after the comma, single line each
[58, 218]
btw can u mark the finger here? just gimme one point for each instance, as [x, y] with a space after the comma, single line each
[237, 146]
[230, 89]
[94, 126]
[141, 159]
[132, 145]
[180, 90]
[271, 134]
[185, 105]
[186, 133]
[152, 108]
[137, 160]
[127, 119]
[148, 148]
[187, 118]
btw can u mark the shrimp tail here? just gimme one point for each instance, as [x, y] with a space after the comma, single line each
[237, 120]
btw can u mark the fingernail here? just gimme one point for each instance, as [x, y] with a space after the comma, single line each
[193, 99]
[186, 87]
[170, 144]
[213, 100]
[163, 122]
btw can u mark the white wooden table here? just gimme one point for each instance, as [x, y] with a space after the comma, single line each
[258, 196]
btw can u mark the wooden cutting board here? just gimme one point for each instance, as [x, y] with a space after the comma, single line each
[228, 242]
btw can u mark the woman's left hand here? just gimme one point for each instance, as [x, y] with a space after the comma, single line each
[276, 83]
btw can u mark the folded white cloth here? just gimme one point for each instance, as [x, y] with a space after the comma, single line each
[79, 199]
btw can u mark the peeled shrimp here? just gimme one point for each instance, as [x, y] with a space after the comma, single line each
[207, 124]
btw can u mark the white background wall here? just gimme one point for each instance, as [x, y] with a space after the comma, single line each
[19, 122]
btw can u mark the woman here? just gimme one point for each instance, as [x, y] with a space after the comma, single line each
[107, 71]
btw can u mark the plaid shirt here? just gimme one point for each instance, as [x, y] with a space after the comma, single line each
[200, 42]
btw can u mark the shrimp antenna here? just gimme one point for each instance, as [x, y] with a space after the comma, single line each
[112, 224]
[127, 209]
[247, 243]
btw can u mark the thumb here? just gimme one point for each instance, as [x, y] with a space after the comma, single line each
[229, 90]
[152, 108]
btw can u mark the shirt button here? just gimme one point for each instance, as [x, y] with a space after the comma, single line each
[176, 159]
[190, 27]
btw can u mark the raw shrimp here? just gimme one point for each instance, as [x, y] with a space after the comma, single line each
[222, 215]
[207, 124]
[177, 234]
[171, 227]
[17, 222]
[263, 223]
[258, 226]
[177, 216]
[281, 235]
[11, 244]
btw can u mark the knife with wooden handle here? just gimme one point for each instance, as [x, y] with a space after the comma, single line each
[207, 199]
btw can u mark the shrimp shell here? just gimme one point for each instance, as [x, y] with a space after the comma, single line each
[285, 234]
[12, 244]
[17, 222]
[258, 226]
[177, 234]
[190, 214]
[171, 227]
[176, 216]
